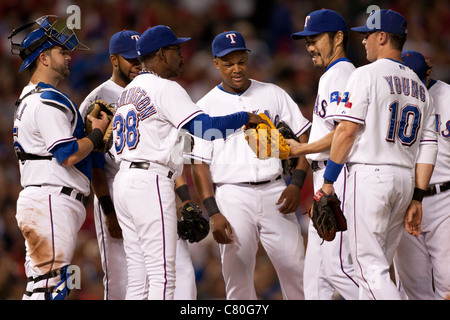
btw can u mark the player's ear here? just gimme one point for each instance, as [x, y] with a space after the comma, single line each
[114, 60]
[338, 38]
[383, 38]
[44, 58]
[216, 63]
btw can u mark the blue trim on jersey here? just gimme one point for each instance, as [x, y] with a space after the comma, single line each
[235, 94]
[432, 83]
[64, 150]
[223, 124]
[55, 98]
[336, 61]
[396, 61]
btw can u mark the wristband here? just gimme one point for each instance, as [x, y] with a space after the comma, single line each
[418, 194]
[183, 193]
[211, 206]
[332, 170]
[96, 137]
[298, 178]
[106, 204]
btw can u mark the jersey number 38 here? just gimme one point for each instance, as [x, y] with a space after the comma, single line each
[126, 129]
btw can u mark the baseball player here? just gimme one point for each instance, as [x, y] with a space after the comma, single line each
[386, 120]
[123, 57]
[148, 139]
[54, 161]
[126, 66]
[328, 266]
[253, 202]
[423, 263]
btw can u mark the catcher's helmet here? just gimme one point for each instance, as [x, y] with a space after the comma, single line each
[52, 31]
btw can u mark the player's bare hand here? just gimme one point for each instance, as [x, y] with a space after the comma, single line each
[254, 119]
[291, 198]
[296, 148]
[413, 218]
[221, 229]
[113, 226]
[101, 123]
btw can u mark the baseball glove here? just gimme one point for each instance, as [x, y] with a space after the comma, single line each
[192, 225]
[286, 131]
[266, 141]
[327, 216]
[94, 110]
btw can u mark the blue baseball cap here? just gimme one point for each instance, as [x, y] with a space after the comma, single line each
[155, 38]
[321, 21]
[124, 43]
[384, 20]
[227, 42]
[416, 61]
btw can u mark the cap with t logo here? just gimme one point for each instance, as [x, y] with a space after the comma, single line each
[227, 42]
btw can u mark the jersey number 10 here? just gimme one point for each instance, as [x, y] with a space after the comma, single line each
[407, 126]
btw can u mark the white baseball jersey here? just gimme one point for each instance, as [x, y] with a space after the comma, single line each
[156, 115]
[440, 92]
[109, 92]
[327, 264]
[232, 160]
[46, 124]
[330, 92]
[422, 262]
[394, 107]
[251, 209]
[112, 253]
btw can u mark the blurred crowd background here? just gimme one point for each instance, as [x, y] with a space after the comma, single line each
[266, 26]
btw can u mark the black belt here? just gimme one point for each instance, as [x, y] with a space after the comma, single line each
[262, 182]
[66, 190]
[145, 166]
[315, 165]
[432, 190]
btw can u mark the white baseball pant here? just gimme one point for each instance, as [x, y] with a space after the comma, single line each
[254, 217]
[376, 199]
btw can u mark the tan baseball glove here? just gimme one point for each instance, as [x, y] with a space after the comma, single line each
[94, 110]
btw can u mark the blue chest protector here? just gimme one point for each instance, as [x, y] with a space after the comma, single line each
[54, 98]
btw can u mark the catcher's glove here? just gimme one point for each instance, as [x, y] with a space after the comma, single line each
[327, 216]
[192, 225]
[94, 110]
[266, 141]
[287, 133]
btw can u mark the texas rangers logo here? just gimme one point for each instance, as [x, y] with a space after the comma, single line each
[135, 37]
[307, 20]
[231, 36]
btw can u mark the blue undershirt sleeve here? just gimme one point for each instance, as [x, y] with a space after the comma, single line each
[210, 128]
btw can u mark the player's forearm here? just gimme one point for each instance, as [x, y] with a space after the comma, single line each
[302, 163]
[85, 146]
[342, 141]
[99, 182]
[423, 175]
[201, 177]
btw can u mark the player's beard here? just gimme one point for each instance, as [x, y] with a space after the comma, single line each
[123, 75]
[63, 70]
[324, 64]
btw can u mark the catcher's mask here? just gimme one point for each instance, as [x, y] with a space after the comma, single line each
[52, 31]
